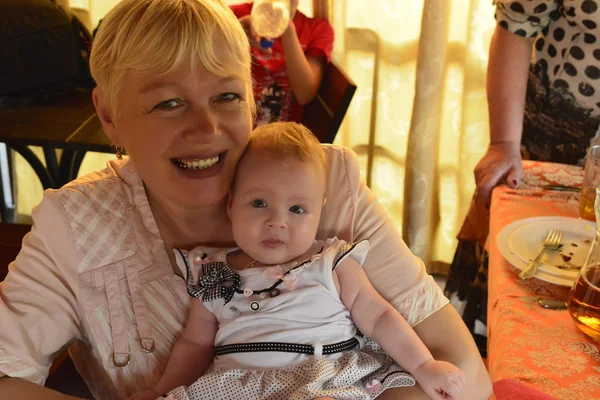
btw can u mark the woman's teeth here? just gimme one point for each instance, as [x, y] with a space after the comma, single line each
[197, 163]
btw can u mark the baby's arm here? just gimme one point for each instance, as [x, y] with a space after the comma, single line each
[378, 320]
[194, 351]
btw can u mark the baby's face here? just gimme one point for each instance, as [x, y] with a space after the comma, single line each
[276, 206]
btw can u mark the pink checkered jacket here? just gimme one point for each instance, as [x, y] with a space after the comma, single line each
[93, 275]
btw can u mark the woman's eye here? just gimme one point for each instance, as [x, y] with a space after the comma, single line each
[228, 97]
[297, 209]
[167, 105]
[258, 203]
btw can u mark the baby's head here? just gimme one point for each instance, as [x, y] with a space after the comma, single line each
[278, 193]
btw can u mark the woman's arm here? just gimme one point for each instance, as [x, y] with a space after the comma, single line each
[378, 320]
[508, 70]
[15, 388]
[448, 339]
[194, 351]
[446, 336]
[39, 308]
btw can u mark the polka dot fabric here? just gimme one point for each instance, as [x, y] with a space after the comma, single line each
[562, 106]
[567, 42]
[347, 377]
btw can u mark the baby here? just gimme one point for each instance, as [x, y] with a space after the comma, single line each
[277, 317]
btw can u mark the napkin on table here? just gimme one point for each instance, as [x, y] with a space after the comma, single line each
[512, 389]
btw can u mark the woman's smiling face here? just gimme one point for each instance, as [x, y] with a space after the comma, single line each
[184, 131]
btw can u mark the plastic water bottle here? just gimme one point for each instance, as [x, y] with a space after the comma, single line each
[270, 19]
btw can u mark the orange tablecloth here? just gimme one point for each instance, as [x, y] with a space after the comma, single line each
[542, 348]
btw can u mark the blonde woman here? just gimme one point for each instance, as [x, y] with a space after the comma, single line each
[174, 90]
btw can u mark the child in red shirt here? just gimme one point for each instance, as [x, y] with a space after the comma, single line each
[288, 75]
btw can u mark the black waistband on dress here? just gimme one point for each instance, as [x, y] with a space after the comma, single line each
[286, 347]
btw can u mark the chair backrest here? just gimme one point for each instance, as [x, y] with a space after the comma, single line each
[324, 115]
[11, 236]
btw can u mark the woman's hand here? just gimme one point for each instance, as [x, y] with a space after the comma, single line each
[501, 161]
[149, 394]
[253, 37]
[440, 379]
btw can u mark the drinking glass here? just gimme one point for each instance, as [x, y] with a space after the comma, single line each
[584, 300]
[591, 180]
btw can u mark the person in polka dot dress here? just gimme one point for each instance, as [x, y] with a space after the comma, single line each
[279, 312]
[543, 86]
[543, 89]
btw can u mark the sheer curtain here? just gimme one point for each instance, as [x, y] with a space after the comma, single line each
[419, 117]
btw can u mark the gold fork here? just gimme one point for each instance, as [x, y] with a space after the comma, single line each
[552, 242]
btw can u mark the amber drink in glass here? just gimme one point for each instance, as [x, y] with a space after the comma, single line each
[584, 300]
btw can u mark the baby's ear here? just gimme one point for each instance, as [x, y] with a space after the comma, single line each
[229, 201]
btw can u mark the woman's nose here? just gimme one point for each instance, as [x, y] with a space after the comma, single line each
[202, 126]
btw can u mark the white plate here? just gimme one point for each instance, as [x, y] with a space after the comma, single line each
[521, 241]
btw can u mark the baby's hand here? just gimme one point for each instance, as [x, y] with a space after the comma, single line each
[440, 380]
[149, 394]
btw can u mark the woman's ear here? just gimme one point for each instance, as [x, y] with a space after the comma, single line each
[105, 117]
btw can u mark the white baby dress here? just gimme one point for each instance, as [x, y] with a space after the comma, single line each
[292, 304]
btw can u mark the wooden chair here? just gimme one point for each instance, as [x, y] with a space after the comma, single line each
[324, 115]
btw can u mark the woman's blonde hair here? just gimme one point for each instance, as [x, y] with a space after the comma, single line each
[288, 139]
[153, 36]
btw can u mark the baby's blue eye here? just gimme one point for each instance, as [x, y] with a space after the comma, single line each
[297, 209]
[258, 203]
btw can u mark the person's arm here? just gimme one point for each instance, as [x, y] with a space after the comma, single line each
[304, 72]
[39, 312]
[508, 70]
[448, 339]
[519, 23]
[378, 320]
[15, 388]
[194, 351]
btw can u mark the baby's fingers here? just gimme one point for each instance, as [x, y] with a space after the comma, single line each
[461, 377]
[452, 389]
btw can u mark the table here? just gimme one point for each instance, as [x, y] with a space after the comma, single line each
[70, 124]
[540, 347]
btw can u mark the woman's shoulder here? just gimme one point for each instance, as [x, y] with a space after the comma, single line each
[343, 168]
[90, 209]
[108, 189]
[339, 154]
[117, 173]
[342, 194]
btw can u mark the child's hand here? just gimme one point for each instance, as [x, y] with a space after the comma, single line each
[253, 37]
[440, 380]
[149, 394]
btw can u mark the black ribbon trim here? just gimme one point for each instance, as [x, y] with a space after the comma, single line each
[217, 281]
